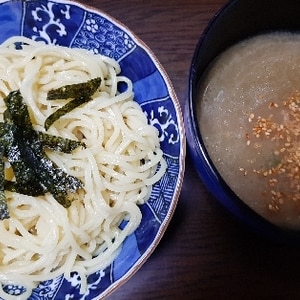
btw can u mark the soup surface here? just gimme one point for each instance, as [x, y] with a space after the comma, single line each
[249, 117]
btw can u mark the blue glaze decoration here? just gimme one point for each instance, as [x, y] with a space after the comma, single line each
[71, 24]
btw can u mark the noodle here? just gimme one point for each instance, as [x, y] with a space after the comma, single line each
[122, 160]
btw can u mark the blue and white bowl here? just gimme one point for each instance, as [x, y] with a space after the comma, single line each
[73, 25]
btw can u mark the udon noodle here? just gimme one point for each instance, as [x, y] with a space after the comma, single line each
[121, 162]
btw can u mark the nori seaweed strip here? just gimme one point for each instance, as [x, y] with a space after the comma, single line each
[57, 182]
[17, 112]
[16, 116]
[4, 213]
[58, 143]
[64, 110]
[81, 92]
[23, 147]
[84, 89]
[28, 151]
[26, 180]
[26, 189]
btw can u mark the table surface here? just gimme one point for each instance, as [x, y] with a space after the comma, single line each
[205, 253]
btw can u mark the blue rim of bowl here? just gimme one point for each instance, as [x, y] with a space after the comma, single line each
[204, 165]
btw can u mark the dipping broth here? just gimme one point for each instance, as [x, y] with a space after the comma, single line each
[249, 118]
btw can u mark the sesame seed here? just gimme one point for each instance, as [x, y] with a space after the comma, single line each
[285, 173]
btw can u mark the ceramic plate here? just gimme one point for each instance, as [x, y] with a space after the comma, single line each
[74, 25]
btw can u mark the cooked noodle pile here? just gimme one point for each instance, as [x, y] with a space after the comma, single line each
[121, 162]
